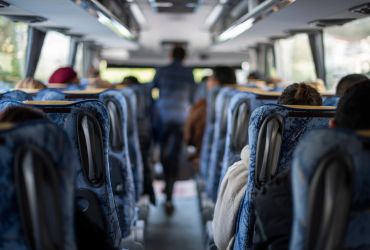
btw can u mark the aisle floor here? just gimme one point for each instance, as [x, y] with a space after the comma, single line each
[183, 229]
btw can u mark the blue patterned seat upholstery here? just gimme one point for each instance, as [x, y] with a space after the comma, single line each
[65, 115]
[297, 122]
[126, 198]
[331, 101]
[133, 142]
[206, 148]
[311, 150]
[232, 155]
[218, 141]
[16, 95]
[53, 141]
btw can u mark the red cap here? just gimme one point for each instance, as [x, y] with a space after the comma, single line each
[62, 75]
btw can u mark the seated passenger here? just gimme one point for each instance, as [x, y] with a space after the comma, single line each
[348, 81]
[19, 114]
[130, 80]
[235, 181]
[273, 203]
[30, 83]
[65, 76]
[195, 124]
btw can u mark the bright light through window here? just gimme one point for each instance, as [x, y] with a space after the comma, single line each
[54, 54]
[296, 59]
[347, 50]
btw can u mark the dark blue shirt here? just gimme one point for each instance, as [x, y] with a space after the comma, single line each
[175, 84]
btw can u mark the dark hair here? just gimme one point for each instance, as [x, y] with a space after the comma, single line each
[21, 114]
[352, 110]
[224, 74]
[178, 53]
[130, 80]
[255, 75]
[204, 79]
[300, 94]
[348, 81]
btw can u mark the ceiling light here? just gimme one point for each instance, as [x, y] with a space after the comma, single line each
[235, 30]
[213, 16]
[137, 13]
[162, 4]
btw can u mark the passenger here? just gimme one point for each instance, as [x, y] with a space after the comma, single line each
[130, 80]
[30, 83]
[273, 203]
[65, 76]
[348, 81]
[19, 114]
[195, 124]
[175, 84]
[235, 181]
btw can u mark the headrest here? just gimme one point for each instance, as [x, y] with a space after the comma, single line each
[48, 102]
[213, 105]
[6, 125]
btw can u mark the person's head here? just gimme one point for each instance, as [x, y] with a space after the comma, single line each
[254, 76]
[94, 73]
[204, 79]
[130, 80]
[300, 94]
[178, 53]
[30, 83]
[221, 75]
[353, 108]
[100, 84]
[64, 75]
[348, 81]
[19, 114]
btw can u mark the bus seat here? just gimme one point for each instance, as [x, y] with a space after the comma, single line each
[297, 121]
[142, 100]
[331, 101]
[330, 176]
[87, 125]
[16, 95]
[208, 133]
[218, 142]
[237, 125]
[44, 152]
[133, 141]
[117, 107]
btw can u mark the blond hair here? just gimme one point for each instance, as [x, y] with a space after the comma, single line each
[30, 83]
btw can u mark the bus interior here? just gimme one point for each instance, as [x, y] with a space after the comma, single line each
[88, 159]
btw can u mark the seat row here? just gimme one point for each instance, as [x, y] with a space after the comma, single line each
[237, 117]
[109, 177]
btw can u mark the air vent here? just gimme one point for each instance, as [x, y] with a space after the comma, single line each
[25, 19]
[4, 4]
[328, 23]
[361, 9]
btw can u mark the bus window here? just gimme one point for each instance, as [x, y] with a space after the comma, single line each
[78, 67]
[296, 59]
[116, 75]
[54, 54]
[200, 73]
[347, 50]
[13, 46]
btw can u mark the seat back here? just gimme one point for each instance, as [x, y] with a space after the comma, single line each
[87, 125]
[16, 95]
[330, 176]
[206, 148]
[38, 173]
[331, 101]
[116, 104]
[133, 141]
[241, 106]
[274, 131]
[218, 141]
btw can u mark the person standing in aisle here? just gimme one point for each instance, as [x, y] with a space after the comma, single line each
[175, 84]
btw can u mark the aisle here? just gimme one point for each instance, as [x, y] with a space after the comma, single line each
[180, 231]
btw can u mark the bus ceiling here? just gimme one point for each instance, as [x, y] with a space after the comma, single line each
[214, 31]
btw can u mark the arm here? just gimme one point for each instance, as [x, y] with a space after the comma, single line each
[227, 207]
